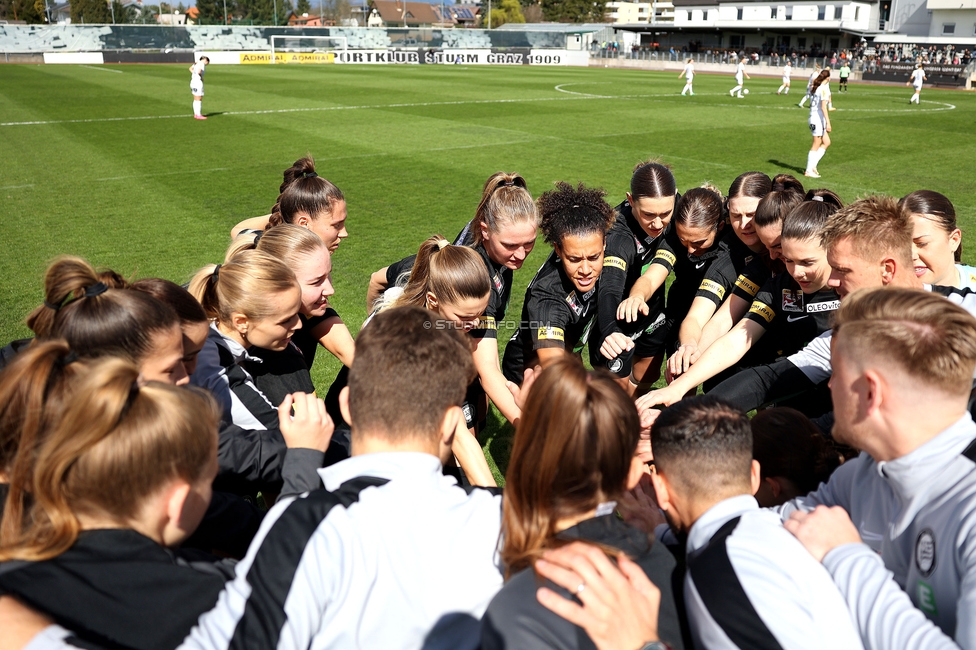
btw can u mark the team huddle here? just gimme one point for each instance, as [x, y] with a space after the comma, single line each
[170, 478]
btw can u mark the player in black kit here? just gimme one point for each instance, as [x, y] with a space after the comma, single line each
[791, 309]
[639, 223]
[560, 302]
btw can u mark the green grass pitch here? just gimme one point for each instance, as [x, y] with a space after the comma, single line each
[105, 162]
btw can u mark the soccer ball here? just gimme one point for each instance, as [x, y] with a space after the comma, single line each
[746, 91]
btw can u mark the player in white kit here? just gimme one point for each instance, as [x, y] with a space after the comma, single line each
[819, 122]
[689, 74]
[918, 76]
[196, 86]
[740, 71]
[809, 95]
[787, 71]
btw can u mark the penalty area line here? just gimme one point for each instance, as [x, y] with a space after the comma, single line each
[91, 67]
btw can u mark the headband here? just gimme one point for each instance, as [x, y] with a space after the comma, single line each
[91, 291]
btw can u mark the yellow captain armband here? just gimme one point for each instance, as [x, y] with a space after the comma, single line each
[615, 262]
[666, 256]
[763, 310]
[551, 334]
[713, 287]
[747, 285]
[487, 323]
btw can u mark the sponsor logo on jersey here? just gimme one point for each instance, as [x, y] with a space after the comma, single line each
[925, 597]
[712, 287]
[765, 311]
[748, 259]
[747, 285]
[700, 264]
[589, 294]
[925, 552]
[616, 365]
[499, 285]
[792, 300]
[551, 334]
[792, 319]
[830, 305]
[487, 323]
[667, 256]
[615, 262]
[574, 304]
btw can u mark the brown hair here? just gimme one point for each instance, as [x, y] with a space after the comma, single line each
[653, 179]
[95, 318]
[425, 365]
[822, 77]
[787, 444]
[927, 336]
[187, 308]
[33, 391]
[303, 190]
[934, 206]
[572, 450]
[700, 207]
[115, 445]
[755, 185]
[451, 273]
[876, 227]
[569, 210]
[243, 285]
[704, 446]
[786, 194]
[807, 220]
[504, 201]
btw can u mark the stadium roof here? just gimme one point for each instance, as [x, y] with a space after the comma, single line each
[567, 28]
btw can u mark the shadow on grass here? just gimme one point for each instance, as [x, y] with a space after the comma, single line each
[496, 440]
[794, 168]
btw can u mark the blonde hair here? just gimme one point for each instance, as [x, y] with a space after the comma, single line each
[116, 445]
[928, 337]
[244, 284]
[34, 390]
[286, 242]
[451, 273]
[504, 201]
[876, 227]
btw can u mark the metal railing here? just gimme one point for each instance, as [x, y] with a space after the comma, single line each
[646, 54]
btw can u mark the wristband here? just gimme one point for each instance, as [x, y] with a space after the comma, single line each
[654, 645]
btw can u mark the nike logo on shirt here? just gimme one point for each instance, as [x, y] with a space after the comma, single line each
[793, 319]
[699, 265]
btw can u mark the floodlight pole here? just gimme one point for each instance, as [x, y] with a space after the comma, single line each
[276, 13]
[489, 14]
[225, 12]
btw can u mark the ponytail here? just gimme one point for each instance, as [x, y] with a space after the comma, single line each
[83, 307]
[787, 193]
[116, 445]
[504, 201]
[244, 284]
[451, 273]
[303, 190]
[33, 391]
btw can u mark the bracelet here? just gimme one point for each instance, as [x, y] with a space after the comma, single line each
[655, 645]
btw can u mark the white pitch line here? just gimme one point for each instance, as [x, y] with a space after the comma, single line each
[91, 67]
[299, 110]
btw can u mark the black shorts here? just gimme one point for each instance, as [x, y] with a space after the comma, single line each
[475, 406]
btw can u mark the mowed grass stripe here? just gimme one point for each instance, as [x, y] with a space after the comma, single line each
[410, 148]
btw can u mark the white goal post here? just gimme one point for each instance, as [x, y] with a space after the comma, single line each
[286, 43]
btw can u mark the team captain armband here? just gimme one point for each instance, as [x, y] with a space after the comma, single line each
[763, 310]
[665, 256]
[487, 323]
[615, 262]
[712, 287]
[747, 285]
[551, 334]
